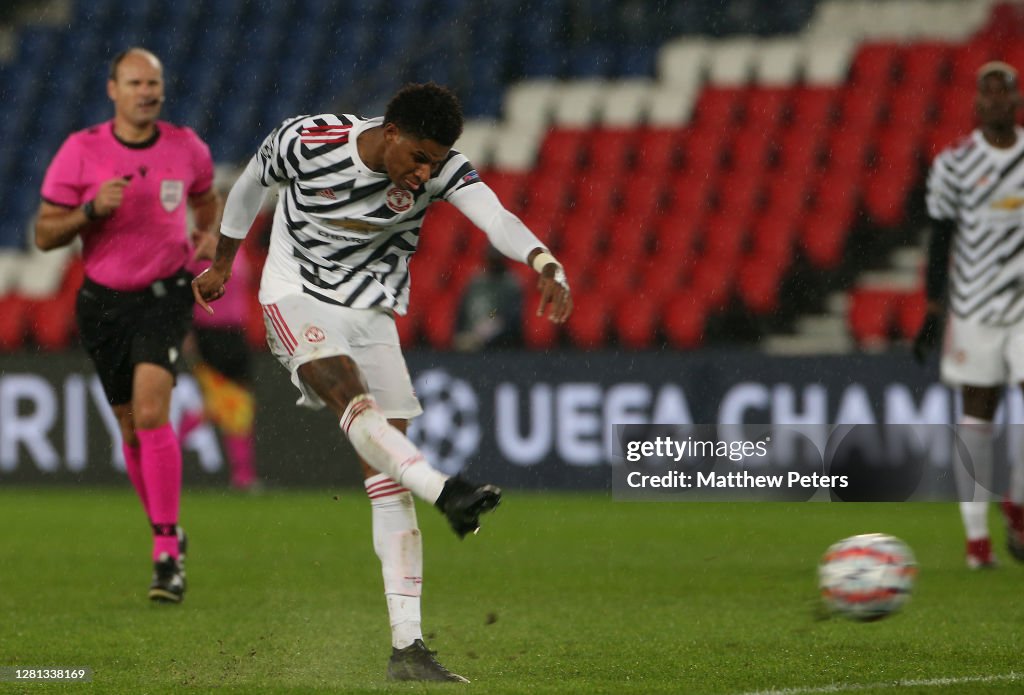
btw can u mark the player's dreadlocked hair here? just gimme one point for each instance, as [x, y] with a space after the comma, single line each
[426, 111]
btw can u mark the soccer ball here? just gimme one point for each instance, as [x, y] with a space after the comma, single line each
[867, 577]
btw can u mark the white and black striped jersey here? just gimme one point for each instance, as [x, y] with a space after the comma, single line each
[981, 189]
[343, 233]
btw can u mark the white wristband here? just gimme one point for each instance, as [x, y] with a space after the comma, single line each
[542, 259]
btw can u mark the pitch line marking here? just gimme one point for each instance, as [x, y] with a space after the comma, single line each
[925, 682]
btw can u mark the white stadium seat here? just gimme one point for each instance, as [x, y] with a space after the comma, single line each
[671, 106]
[731, 61]
[41, 273]
[531, 102]
[626, 103]
[827, 61]
[684, 60]
[577, 102]
[516, 147]
[779, 62]
[477, 141]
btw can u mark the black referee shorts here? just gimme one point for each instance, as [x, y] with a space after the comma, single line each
[122, 329]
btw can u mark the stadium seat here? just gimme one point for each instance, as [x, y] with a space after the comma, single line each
[813, 106]
[610, 150]
[563, 151]
[870, 316]
[636, 323]
[438, 324]
[13, 322]
[757, 285]
[659, 150]
[823, 237]
[910, 313]
[719, 106]
[624, 104]
[683, 321]
[588, 326]
[778, 62]
[876, 65]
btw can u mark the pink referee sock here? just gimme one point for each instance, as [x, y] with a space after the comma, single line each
[161, 471]
[133, 466]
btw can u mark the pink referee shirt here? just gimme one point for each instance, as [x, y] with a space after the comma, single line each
[146, 239]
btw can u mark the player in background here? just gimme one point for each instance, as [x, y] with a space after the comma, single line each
[123, 187]
[348, 220]
[976, 204]
[222, 366]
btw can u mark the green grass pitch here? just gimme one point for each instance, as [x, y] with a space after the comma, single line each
[560, 593]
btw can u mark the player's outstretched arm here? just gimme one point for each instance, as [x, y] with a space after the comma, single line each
[511, 237]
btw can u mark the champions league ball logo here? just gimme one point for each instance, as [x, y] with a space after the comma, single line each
[448, 432]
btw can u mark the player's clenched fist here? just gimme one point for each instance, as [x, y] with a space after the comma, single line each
[109, 196]
[209, 287]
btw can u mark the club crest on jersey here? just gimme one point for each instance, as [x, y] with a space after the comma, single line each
[398, 199]
[171, 194]
[314, 334]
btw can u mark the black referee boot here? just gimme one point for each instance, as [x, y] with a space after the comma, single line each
[463, 503]
[168, 584]
[417, 663]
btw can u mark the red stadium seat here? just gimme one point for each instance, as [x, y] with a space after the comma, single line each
[717, 106]
[911, 108]
[438, 324]
[690, 195]
[596, 190]
[52, 321]
[813, 106]
[636, 323]
[611, 150]
[910, 313]
[562, 152]
[659, 150]
[862, 107]
[608, 281]
[924, 65]
[876, 64]
[659, 277]
[800, 148]
[751, 149]
[766, 108]
[441, 236]
[548, 194]
[870, 315]
[967, 58]
[588, 325]
[683, 320]
[13, 322]
[940, 137]
[885, 196]
[508, 186]
[629, 236]
[824, 235]
[847, 152]
[644, 192]
[724, 236]
[713, 282]
[706, 149]
[758, 284]
[957, 107]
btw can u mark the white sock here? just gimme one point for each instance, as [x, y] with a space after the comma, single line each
[972, 468]
[389, 451]
[397, 541]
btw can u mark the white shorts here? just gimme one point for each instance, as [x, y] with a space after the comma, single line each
[302, 329]
[977, 355]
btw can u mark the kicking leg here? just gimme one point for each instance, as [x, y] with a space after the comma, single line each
[339, 383]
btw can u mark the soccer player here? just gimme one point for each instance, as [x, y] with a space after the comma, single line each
[123, 187]
[976, 205]
[348, 220]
